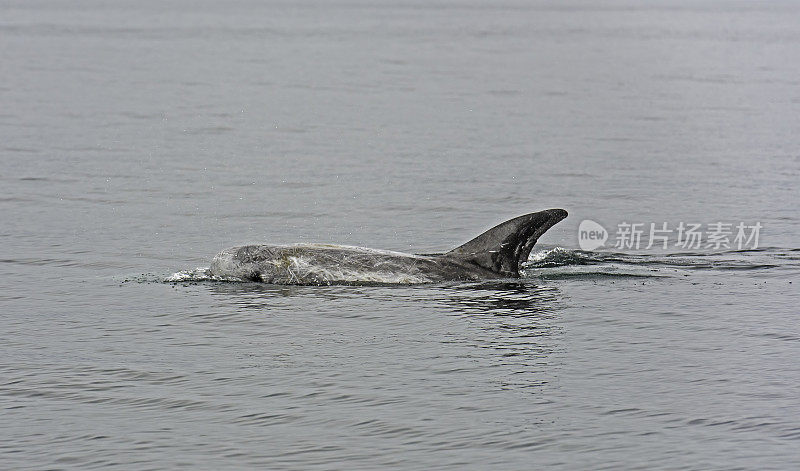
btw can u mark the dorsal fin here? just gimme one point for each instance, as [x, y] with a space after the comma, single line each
[504, 247]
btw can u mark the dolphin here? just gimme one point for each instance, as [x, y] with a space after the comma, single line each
[495, 254]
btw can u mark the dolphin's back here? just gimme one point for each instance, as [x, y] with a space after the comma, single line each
[326, 264]
[497, 253]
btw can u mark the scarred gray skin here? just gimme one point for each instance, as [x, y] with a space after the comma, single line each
[495, 254]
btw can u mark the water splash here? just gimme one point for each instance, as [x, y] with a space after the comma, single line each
[198, 274]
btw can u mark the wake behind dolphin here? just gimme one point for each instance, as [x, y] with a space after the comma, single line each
[497, 253]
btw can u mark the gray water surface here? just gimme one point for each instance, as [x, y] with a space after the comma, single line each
[137, 139]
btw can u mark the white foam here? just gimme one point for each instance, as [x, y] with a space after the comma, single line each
[198, 274]
[544, 254]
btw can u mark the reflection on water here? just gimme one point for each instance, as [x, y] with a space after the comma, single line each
[521, 298]
[509, 298]
[511, 327]
[254, 295]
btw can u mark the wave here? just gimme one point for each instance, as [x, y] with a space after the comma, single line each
[559, 262]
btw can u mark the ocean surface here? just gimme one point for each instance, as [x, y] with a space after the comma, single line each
[139, 138]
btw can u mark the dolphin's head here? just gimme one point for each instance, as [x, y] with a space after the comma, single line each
[247, 262]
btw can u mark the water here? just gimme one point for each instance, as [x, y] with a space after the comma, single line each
[140, 138]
